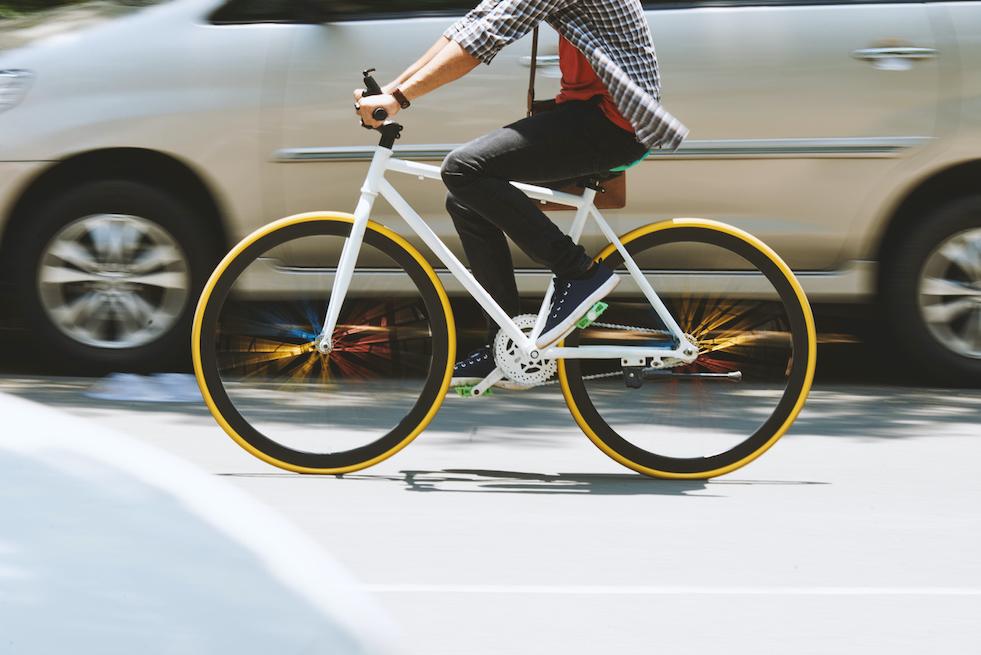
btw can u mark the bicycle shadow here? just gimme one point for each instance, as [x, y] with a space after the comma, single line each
[524, 482]
[595, 484]
[521, 482]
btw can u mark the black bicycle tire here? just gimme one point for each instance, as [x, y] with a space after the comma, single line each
[801, 376]
[246, 435]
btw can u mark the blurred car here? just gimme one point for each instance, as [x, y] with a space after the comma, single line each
[845, 135]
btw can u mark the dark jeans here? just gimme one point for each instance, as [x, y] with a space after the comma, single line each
[573, 140]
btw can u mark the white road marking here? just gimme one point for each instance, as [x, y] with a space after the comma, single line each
[668, 591]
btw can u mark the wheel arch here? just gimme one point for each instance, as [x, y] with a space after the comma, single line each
[153, 168]
[954, 181]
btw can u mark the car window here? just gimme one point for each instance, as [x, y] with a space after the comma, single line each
[255, 11]
[311, 11]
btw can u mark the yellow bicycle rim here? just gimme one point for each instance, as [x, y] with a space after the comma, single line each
[811, 354]
[226, 262]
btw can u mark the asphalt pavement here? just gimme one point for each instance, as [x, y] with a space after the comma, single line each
[502, 529]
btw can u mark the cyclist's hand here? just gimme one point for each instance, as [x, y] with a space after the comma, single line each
[366, 106]
[358, 94]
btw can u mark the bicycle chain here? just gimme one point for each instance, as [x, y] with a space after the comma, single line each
[618, 326]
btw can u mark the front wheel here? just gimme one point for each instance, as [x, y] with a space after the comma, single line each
[275, 393]
[740, 304]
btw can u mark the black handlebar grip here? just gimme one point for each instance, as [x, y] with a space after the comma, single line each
[380, 114]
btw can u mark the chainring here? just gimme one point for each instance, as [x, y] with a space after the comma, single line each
[517, 367]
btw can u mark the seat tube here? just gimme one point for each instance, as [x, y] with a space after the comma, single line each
[579, 222]
[575, 233]
[352, 246]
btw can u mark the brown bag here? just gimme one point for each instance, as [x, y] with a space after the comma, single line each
[612, 191]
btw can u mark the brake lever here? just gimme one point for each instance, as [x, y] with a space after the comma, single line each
[373, 89]
[370, 85]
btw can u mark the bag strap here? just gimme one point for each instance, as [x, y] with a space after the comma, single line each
[533, 66]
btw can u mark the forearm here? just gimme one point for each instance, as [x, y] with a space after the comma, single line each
[441, 43]
[449, 64]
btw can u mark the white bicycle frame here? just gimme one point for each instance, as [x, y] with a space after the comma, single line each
[375, 184]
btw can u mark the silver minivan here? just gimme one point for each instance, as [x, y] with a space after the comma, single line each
[846, 135]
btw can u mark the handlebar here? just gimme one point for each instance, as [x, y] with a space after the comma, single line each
[390, 131]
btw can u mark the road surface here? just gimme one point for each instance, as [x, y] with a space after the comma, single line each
[503, 530]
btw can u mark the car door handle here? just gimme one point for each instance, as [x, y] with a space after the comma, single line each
[542, 60]
[902, 52]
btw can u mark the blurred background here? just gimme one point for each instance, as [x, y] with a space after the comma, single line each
[140, 140]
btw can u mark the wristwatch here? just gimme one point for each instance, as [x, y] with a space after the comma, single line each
[402, 100]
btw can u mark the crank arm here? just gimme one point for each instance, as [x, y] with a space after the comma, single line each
[496, 376]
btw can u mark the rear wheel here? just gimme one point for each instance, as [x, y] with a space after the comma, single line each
[743, 309]
[282, 399]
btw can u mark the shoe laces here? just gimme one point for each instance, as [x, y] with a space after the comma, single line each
[478, 355]
[557, 306]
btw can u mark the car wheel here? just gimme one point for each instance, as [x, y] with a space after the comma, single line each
[931, 286]
[109, 274]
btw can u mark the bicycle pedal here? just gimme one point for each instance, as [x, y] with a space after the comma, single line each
[592, 315]
[466, 391]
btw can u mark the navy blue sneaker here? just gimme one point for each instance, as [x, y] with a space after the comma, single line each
[572, 299]
[473, 368]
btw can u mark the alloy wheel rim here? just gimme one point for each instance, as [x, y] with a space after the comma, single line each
[113, 281]
[950, 293]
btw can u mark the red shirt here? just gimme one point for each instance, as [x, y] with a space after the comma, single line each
[579, 82]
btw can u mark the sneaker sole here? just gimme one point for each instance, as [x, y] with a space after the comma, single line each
[561, 330]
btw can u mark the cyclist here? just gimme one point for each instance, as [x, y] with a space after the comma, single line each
[608, 114]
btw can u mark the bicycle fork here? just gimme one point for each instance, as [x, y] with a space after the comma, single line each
[349, 253]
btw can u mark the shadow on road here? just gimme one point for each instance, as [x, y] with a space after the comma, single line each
[535, 419]
[887, 412]
[595, 484]
[523, 482]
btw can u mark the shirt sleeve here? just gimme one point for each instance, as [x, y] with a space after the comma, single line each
[494, 24]
[476, 13]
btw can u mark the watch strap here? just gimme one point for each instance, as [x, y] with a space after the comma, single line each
[402, 100]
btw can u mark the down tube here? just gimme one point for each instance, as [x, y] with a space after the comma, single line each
[458, 270]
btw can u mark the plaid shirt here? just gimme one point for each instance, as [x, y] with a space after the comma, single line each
[612, 34]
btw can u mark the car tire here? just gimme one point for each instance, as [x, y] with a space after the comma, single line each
[931, 291]
[108, 274]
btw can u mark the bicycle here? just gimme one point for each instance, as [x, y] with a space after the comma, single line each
[312, 379]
